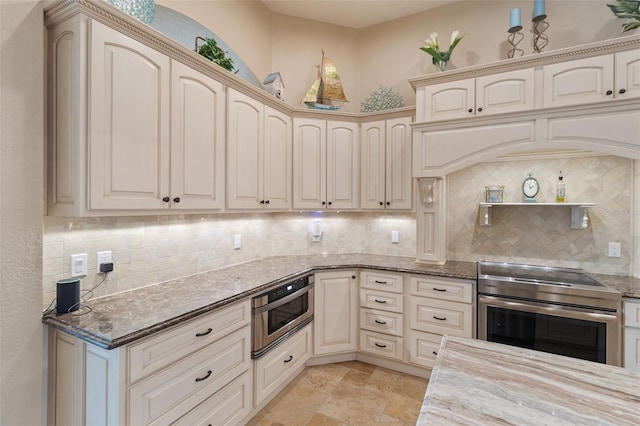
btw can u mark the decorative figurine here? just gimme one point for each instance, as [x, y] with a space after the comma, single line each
[273, 84]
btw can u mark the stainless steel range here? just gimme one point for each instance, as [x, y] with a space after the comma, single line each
[558, 310]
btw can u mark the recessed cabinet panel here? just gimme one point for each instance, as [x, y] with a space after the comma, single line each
[335, 316]
[398, 167]
[627, 78]
[197, 139]
[440, 317]
[505, 92]
[309, 162]
[448, 100]
[373, 165]
[423, 348]
[277, 160]
[580, 81]
[342, 165]
[129, 139]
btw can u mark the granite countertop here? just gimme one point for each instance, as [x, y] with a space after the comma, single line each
[122, 318]
[476, 382]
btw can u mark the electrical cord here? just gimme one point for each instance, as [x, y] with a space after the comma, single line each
[83, 299]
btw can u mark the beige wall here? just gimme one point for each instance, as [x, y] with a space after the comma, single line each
[21, 200]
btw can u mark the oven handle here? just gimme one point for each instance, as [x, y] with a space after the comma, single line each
[547, 308]
[280, 302]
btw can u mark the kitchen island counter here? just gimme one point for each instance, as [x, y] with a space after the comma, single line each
[122, 318]
[476, 382]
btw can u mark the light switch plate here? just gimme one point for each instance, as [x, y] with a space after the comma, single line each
[78, 264]
[614, 249]
[237, 241]
[395, 237]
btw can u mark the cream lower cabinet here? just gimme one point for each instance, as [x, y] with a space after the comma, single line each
[631, 310]
[438, 306]
[382, 314]
[335, 317]
[326, 157]
[129, 128]
[492, 94]
[386, 165]
[203, 363]
[259, 155]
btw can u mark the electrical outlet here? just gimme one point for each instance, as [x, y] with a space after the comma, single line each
[395, 237]
[78, 264]
[237, 241]
[614, 249]
[102, 257]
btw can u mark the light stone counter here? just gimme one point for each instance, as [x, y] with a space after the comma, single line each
[125, 317]
[483, 383]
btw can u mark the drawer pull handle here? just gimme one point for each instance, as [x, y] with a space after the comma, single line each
[435, 353]
[199, 379]
[379, 345]
[440, 318]
[205, 333]
[380, 301]
[439, 289]
[290, 359]
[380, 322]
[380, 282]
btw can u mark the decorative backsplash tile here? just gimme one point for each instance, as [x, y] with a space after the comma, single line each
[542, 234]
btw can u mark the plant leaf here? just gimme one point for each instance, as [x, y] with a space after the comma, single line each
[631, 26]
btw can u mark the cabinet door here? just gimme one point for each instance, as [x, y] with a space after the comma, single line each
[129, 116]
[197, 140]
[398, 164]
[277, 159]
[343, 171]
[505, 92]
[335, 312]
[373, 158]
[245, 133]
[309, 163]
[578, 82]
[632, 348]
[627, 78]
[447, 100]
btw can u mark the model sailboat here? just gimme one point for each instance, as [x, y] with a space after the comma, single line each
[326, 92]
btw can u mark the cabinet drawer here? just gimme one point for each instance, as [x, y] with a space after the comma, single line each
[381, 281]
[632, 313]
[158, 352]
[381, 300]
[381, 321]
[226, 407]
[169, 394]
[440, 317]
[442, 288]
[381, 344]
[277, 366]
[423, 348]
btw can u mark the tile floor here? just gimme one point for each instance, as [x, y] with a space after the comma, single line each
[346, 393]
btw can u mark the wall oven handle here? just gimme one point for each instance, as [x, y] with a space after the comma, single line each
[547, 308]
[280, 302]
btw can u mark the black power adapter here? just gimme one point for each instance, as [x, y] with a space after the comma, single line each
[106, 267]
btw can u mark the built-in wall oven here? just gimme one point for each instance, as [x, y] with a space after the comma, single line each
[558, 310]
[280, 312]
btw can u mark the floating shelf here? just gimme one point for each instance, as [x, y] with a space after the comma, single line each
[579, 216]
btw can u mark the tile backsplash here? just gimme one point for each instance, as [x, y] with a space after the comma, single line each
[152, 249]
[542, 234]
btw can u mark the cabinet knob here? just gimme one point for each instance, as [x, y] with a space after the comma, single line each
[381, 203]
[261, 201]
[176, 200]
[621, 91]
[323, 203]
[266, 202]
[609, 92]
[166, 199]
[480, 109]
[329, 203]
[353, 277]
[388, 203]
[470, 110]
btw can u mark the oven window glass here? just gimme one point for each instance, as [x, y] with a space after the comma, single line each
[284, 314]
[563, 336]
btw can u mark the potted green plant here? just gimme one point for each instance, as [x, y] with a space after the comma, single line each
[627, 9]
[213, 52]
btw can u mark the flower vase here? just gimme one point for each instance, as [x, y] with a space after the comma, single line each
[442, 65]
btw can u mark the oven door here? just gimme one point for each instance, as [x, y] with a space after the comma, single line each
[578, 332]
[277, 320]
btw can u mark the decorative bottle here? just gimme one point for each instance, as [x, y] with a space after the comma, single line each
[560, 189]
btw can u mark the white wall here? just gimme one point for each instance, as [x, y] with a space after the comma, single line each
[21, 199]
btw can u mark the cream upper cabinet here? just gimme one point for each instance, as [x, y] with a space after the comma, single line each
[197, 140]
[129, 113]
[335, 312]
[260, 157]
[325, 164]
[386, 164]
[491, 94]
[131, 131]
[627, 74]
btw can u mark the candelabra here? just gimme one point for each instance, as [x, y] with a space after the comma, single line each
[514, 38]
[540, 39]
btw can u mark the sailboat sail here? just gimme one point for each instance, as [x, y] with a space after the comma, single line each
[327, 88]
